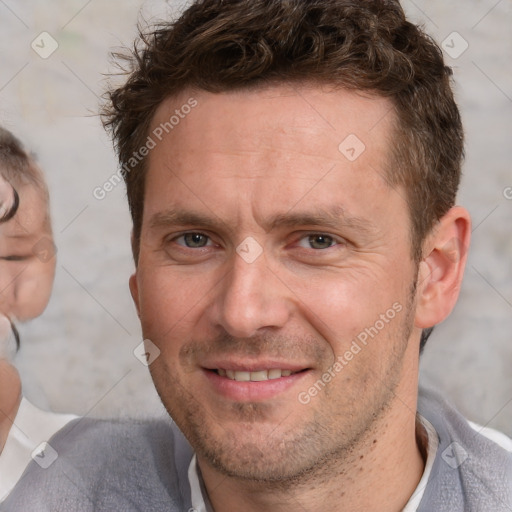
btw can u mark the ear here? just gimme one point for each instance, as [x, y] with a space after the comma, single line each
[134, 287]
[134, 290]
[442, 268]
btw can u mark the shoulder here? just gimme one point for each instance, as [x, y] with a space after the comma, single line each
[472, 471]
[494, 435]
[107, 465]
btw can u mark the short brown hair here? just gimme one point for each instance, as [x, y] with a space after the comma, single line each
[18, 168]
[368, 45]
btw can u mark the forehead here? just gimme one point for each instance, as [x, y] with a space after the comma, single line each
[31, 219]
[269, 148]
[284, 114]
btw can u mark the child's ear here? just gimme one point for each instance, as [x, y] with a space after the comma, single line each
[442, 268]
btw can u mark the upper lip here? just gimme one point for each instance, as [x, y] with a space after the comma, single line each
[254, 366]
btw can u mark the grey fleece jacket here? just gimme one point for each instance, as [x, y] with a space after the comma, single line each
[116, 466]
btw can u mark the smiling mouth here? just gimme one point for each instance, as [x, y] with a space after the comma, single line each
[255, 376]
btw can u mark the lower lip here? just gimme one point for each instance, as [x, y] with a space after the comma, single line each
[248, 391]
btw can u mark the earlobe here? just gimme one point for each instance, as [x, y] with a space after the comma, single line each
[442, 268]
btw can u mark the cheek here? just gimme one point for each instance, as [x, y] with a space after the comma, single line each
[340, 307]
[11, 284]
[169, 305]
[6, 300]
[34, 291]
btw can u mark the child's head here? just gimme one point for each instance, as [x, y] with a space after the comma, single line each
[27, 263]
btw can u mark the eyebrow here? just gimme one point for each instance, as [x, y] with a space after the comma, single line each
[20, 236]
[176, 218]
[332, 218]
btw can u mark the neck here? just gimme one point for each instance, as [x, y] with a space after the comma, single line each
[381, 474]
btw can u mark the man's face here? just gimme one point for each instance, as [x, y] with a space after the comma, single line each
[272, 249]
[27, 263]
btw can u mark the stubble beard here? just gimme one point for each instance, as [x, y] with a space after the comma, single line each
[290, 455]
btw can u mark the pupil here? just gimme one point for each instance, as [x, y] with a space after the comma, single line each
[196, 240]
[320, 241]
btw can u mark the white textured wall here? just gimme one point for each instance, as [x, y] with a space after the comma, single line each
[78, 356]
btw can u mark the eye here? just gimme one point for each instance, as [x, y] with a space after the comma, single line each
[194, 240]
[317, 241]
[14, 258]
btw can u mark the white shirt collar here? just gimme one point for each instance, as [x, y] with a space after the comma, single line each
[433, 445]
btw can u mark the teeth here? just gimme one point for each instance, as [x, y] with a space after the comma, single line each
[275, 374]
[243, 376]
[257, 376]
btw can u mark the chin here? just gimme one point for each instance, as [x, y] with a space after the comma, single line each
[257, 462]
[256, 450]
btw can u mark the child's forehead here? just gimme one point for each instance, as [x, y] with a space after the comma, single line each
[32, 218]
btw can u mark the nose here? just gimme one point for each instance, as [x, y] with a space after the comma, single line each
[250, 298]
